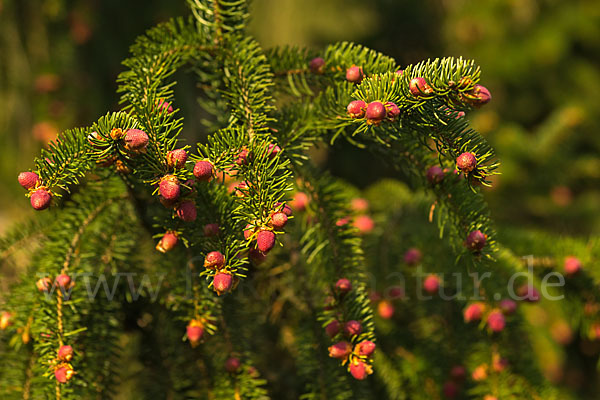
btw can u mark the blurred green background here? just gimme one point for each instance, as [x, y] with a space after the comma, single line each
[540, 58]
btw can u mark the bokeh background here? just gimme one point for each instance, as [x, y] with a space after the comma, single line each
[59, 60]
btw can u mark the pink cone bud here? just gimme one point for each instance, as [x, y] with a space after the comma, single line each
[343, 285]
[466, 162]
[194, 331]
[232, 364]
[496, 321]
[359, 369]
[385, 309]
[508, 306]
[177, 158]
[167, 242]
[420, 88]
[169, 187]
[364, 223]
[40, 199]
[222, 282]
[299, 202]
[203, 170]
[435, 174]
[317, 65]
[333, 328]
[187, 211]
[340, 350]
[366, 348]
[28, 179]
[63, 374]
[412, 256]
[572, 265]
[356, 109]
[214, 259]
[392, 111]
[474, 312]
[431, 284]
[136, 140]
[265, 241]
[352, 328]
[476, 241]
[375, 112]
[65, 353]
[278, 220]
[354, 74]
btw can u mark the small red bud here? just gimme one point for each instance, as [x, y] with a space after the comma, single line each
[333, 328]
[194, 330]
[435, 174]
[360, 370]
[354, 74]
[375, 112]
[28, 180]
[359, 204]
[299, 202]
[431, 284]
[508, 306]
[340, 350]
[343, 285]
[187, 211]
[169, 187]
[317, 65]
[476, 241]
[278, 220]
[63, 281]
[40, 199]
[222, 282]
[479, 96]
[203, 170]
[420, 88]
[232, 364]
[165, 106]
[474, 311]
[385, 309]
[211, 230]
[352, 328]
[450, 390]
[466, 162]
[572, 265]
[392, 111]
[529, 293]
[167, 242]
[458, 373]
[65, 353]
[242, 157]
[496, 321]
[177, 158]
[412, 256]
[64, 373]
[256, 255]
[364, 223]
[214, 259]
[356, 109]
[43, 284]
[366, 348]
[273, 150]
[265, 241]
[136, 140]
[284, 208]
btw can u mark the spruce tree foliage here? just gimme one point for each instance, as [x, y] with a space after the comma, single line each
[270, 320]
